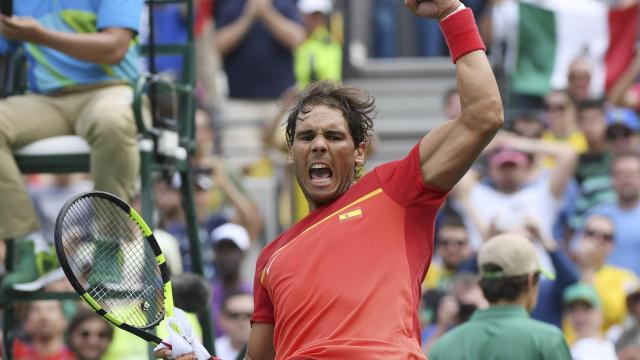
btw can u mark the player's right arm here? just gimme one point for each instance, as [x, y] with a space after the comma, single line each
[260, 345]
[447, 152]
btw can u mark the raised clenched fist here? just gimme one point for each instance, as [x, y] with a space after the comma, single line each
[434, 9]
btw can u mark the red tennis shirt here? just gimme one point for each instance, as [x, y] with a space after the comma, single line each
[344, 282]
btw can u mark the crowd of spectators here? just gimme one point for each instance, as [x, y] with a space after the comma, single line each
[564, 173]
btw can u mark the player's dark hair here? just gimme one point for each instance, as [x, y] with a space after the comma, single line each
[504, 288]
[451, 218]
[191, 292]
[357, 107]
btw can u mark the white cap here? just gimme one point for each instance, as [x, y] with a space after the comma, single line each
[311, 6]
[234, 232]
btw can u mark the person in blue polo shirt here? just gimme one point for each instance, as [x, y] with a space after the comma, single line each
[82, 59]
[510, 273]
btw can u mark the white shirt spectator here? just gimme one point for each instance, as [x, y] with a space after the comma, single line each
[593, 349]
[224, 349]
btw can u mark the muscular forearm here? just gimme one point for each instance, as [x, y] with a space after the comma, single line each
[479, 95]
[287, 32]
[228, 37]
[448, 151]
[106, 47]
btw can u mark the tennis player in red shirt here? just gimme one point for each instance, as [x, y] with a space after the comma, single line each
[344, 282]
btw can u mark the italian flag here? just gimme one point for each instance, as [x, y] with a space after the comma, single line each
[551, 34]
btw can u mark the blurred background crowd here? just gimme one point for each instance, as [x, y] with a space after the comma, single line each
[565, 171]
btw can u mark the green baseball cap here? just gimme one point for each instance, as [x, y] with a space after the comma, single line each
[581, 292]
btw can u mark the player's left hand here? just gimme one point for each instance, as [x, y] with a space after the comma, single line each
[20, 28]
[433, 9]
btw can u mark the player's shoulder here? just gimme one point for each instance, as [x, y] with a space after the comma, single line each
[270, 248]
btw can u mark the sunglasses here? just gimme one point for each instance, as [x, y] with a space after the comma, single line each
[85, 334]
[238, 315]
[618, 133]
[597, 234]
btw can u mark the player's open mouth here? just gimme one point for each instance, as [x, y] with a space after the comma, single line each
[320, 174]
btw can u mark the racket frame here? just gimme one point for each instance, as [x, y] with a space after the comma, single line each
[157, 252]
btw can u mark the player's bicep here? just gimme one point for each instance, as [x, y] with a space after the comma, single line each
[260, 346]
[447, 152]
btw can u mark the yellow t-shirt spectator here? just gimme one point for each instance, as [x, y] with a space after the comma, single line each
[438, 277]
[577, 141]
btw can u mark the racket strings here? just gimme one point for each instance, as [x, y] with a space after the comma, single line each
[110, 256]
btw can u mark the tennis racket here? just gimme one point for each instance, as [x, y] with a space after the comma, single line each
[114, 263]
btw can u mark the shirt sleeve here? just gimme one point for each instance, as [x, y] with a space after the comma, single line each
[402, 181]
[557, 349]
[567, 273]
[434, 352]
[263, 307]
[120, 13]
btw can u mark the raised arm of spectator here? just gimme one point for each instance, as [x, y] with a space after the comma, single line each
[620, 94]
[271, 128]
[288, 32]
[246, 212]
[447, 152]
[107, 46]
[567, 272]
[229, 36]
[565, 156]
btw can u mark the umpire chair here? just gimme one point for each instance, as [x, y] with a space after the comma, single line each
[165, 147]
